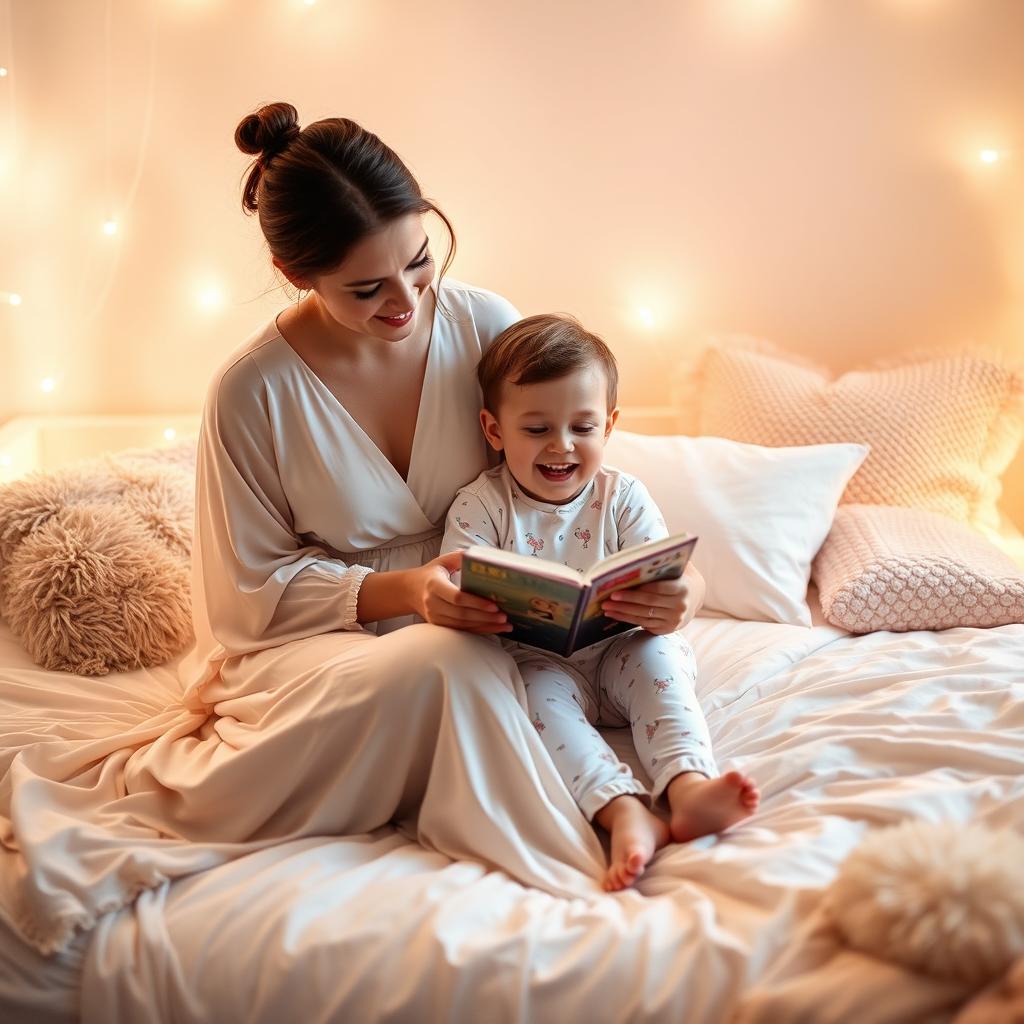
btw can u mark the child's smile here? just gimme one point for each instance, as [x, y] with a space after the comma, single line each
[558, 473]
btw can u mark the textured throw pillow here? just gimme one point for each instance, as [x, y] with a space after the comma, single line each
[94, 560]
[941, 430]
[901, 569]
[760, 513]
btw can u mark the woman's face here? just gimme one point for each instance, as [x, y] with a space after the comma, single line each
[376, 291]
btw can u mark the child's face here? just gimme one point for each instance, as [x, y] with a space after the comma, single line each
[553, 433]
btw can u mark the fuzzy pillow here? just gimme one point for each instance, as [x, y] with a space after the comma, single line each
[902, 569]
[942, 429]
[94, 560]
[942, 898]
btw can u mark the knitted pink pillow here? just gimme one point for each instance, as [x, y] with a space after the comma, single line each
[902, 569]
[941, 430]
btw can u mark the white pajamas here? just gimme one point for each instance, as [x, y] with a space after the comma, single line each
[635, 679]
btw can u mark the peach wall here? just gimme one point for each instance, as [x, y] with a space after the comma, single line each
[803, 169]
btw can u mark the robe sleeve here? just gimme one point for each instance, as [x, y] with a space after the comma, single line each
[491, 314]
[260, 584]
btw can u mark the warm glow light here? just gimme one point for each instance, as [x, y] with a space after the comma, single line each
[110, 227]
[3, 72]
[170, 433]
[12, 297]
[5, 460]
[988, 156]
[653, 304]
[47, 384]
[309, 3]
[742, 16]
[210, 297]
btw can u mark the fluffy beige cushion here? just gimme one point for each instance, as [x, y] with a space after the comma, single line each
[943, 898]
[94, 560]
[941, 430]
[902, 569]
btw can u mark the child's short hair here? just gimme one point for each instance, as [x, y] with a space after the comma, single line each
[541, 348]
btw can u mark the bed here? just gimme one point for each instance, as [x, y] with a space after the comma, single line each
[843, 733]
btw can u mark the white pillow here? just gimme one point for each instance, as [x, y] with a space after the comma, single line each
[761, 514]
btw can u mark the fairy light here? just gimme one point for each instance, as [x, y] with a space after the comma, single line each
[47, 384]
[3, 72]
[110, 227]
[170, 434]
[646, 315]
[11, 298]
[210, 298]
[5, 460]
[989, 156]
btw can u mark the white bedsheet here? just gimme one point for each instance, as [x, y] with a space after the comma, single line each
[842, 733]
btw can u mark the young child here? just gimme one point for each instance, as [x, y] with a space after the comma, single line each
[549, 389]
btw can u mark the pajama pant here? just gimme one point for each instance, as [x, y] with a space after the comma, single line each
[640, 680]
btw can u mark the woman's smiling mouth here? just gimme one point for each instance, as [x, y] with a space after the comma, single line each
[400, 320]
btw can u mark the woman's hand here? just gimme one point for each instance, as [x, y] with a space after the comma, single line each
[661, 607]
[436, 599]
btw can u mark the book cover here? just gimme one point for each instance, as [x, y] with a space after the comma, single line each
[558, 609]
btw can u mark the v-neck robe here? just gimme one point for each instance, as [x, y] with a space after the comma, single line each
[294, 501]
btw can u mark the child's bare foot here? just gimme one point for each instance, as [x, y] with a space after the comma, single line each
[701, 805]
[636, 833]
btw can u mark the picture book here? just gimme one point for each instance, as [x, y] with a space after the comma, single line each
[557, 608]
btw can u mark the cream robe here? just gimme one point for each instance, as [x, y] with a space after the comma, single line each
[291, 719]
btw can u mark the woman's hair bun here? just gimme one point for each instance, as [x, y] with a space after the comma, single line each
[268, 130]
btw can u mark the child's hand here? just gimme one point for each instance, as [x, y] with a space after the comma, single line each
[661, 607]
[436, 599]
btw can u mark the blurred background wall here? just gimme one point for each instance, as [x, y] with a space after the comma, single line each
[845, 177]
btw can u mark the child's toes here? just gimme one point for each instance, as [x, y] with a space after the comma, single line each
[612, 881]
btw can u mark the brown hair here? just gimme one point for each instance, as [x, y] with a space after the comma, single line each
[318, 190]
[541, 348]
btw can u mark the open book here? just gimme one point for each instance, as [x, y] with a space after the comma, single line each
[558, 609]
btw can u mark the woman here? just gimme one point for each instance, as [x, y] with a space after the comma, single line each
[331, 445]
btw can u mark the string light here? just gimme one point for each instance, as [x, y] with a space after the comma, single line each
[110, 227]
[170, 433]
[3, 72]
[47, 384]
[5, 460]
[989, 156]
[11, 298]
[646, 316]
[210, 297]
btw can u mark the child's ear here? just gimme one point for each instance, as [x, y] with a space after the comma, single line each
[609, 423]
[492, 430]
